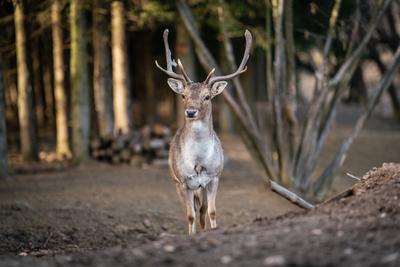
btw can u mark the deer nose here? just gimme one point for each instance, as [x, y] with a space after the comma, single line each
[191, 113]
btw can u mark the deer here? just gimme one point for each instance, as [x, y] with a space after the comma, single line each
[196, 157]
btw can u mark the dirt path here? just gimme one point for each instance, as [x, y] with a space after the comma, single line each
[124, 215]
[99, 205]
[360, 230]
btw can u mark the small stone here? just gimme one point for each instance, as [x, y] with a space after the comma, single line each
[382, 215]
[340, 233]
[390, 257]
[169, 248]
[203, 247]
[23, 254]
[121, 228]
[138, 253]
[274, 261]
[348, 251]
[251, 242]
[213, 242]
[316, 231]
[226, 259]
[157, 244]
[166, 234]
[147, 223]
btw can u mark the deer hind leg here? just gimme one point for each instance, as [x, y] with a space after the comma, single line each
[203, 209]
[212, 188]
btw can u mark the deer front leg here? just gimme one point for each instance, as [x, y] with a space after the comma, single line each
[190, 211]
[212, 188]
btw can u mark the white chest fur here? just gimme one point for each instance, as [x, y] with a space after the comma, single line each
[201, 155]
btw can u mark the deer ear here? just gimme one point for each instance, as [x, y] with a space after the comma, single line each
[176, 85]
[218, 87]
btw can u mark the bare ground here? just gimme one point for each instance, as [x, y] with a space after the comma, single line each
[362, 229]
[102, 215]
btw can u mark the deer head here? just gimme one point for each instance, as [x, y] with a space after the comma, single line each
[197, 95]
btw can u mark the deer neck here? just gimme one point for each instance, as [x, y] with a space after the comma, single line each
[200, 128]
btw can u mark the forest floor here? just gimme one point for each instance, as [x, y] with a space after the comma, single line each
[103, 215]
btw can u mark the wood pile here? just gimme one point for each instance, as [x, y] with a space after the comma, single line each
[148, 145]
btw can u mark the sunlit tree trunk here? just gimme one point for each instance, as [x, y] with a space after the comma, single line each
[25, 101]
[80, 102]
[119, 65]
[59, 90]
[3, 134]
[102, 80]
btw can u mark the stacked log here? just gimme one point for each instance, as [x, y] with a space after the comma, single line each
[148, 145]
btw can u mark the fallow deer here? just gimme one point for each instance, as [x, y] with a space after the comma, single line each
[195, 155]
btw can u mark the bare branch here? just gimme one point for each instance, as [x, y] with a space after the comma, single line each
[326, 177]
[207, 60]
[232, 65]
[360, 49]
[292, 197]
[279, 133]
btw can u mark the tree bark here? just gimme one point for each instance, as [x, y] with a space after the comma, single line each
[63, 149]
[102, 79]
[392, 90]
[26, 111]
[80, 101]
[148, 66]
[49, 101]
[280, 79]
[268, 52]
[37, 82]
[121, 94]
[3, 132]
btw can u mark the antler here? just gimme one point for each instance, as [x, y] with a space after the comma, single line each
[188, 80]
[170, 62]
[242, 67]
[209, 76]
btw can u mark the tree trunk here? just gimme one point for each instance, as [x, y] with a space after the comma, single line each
[102, 79]
[119, 64]
[59, 90]
[392, 88]
[3, 133]
[395, 100]
[80, 101]
[25, 101]
[148, 62]
[37, 82]
[48, 85]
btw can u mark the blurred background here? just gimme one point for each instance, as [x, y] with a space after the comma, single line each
[78, 83]
[86, 117]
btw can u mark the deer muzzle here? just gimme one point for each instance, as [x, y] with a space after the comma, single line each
[191, 113]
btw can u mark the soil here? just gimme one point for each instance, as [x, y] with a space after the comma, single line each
[362, 229]
[103, 215]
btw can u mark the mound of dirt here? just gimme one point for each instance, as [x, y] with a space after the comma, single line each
[361, 228]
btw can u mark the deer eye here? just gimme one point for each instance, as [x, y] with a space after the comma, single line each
[183, 96]
[207, 97]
